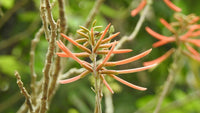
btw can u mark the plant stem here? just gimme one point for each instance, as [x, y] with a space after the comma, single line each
[97, 86]
[109, 102]
[174, 68]
[98, 90]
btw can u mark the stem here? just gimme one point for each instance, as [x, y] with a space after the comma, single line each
[34, 43]
[58, 61]
[109, 102]
[51, 37]
[174, 68]
[98, 90]
[97, 86]
[24, 92]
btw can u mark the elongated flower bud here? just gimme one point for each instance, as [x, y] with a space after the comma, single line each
[128, 60]
[110, 38]
[101, 38]
[167, 25]
[106, 84]
[139, 8]
[107, 57]
[115, 51]
[172, 6]
[127, 83]
[66, 81]
[76, 44]
[193, 51]
[156, 35]
[160, 59]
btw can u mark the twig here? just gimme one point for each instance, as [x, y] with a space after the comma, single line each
[137, 28]
[45, 4]
[32, 63]
[62, 16]
[93, 12]
[167, 85]
[44, 19]
[23, 108]
[58, 60]
[24, 92]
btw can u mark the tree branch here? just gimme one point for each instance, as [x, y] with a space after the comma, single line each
[34, 43]
[45, 4]
[58, 60]
[24, 92]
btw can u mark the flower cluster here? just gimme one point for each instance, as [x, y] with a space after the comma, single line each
[185, 32]
[144, 2]
[94, 44]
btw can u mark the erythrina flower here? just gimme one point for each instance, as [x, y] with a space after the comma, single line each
[191, 30]
[100, 46]
[144, 2]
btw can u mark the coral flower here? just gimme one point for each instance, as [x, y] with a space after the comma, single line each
[100, 46]
[188, 37]
[144, 2]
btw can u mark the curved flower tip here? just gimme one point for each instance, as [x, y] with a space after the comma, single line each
[194, 20]
[160, 59]
[101, 38]
[194, 41]
[139, 8]
[193, 51]
[75, 43]
[128, 60]
[127, 83]
[62, 55]
[163, 42]
[155, 34]
[106, 84]
[68, 52]
[137, 69]
[73, 79]
[172, 6]
[69, 80]
[167, 25]
[107, 57]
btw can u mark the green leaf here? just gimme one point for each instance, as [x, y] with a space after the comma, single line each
[72, 110]
[7, 3]
[27, 16]
[8, 64]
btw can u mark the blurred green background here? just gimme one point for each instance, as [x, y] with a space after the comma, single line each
[20, 20]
